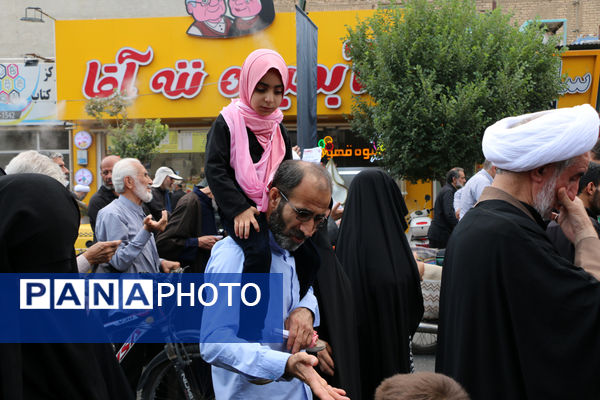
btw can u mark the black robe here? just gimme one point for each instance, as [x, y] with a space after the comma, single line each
[517, 320]
[376, 256]
[38, 228]
[187, 222]
[333, 291]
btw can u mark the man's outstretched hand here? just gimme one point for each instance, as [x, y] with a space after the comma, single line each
[301, 366]
[156, 226]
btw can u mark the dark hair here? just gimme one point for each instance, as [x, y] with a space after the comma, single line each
[453, 173]
[291, 172]
[596, 151]
[420, 386]
[591, 175]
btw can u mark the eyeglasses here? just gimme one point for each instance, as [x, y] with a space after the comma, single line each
[305, 215]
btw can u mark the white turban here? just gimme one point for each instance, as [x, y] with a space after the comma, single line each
[530, 141]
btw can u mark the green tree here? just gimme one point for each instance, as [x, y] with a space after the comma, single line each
[138, 141]
[437, 73]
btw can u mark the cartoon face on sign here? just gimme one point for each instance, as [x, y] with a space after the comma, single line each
[229, 18]
[245, 8]
[206, 10]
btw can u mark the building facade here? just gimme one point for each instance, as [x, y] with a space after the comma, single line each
[147, 49]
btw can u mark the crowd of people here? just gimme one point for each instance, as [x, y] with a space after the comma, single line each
[520, 298]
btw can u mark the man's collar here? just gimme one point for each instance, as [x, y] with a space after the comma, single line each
[493, 193]
[129, 204]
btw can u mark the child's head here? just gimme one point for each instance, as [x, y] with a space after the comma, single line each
[263, 81]
[420, 386]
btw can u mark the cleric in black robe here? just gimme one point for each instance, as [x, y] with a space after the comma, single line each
[38, 228]
[517, 320]
[333, 291]
[375, 255]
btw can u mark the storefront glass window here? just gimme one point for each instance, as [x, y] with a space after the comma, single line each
[47, 141]
[18, 140]
[50, 140]
[183, 151]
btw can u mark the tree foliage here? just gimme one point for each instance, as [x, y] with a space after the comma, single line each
[438, 73]
[138, 140]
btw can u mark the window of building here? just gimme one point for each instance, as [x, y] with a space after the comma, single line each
[14, 141]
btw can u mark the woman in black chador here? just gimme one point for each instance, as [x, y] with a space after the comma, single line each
[375, 254]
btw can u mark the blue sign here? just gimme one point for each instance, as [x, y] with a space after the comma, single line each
[148, 308]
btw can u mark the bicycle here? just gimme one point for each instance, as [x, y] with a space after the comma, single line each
[176, 372]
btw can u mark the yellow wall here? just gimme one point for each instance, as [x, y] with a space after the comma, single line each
[80, 41]
[577, 64]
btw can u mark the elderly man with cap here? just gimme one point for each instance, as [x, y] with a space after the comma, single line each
[517, 320]
[161, 192]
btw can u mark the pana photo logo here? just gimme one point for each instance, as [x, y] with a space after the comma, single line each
[129, 294]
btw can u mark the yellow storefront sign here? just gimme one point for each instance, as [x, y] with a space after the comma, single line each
[583, 75]
[173, 75]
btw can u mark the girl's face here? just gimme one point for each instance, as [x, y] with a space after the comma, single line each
[268, 93]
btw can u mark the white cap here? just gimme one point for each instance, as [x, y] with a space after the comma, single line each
[161, 174]
[530, 141]
[81, 188]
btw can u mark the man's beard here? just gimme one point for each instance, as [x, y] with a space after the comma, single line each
[141, 192]
[544, 200]
[278, 229]
[108, 186]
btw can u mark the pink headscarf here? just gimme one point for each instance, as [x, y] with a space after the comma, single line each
[254, 179]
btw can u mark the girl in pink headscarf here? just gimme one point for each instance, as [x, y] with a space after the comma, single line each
[246, 144]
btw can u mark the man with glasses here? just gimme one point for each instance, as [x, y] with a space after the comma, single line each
[298, 206]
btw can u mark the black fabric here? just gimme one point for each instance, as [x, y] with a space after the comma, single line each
[376, 256]
[209, 223]
[176, 196]
[221, 176]
[257, 259]
[157, 204]
[338, 320]
[563, 245]
[444, 217]
[517, 320]
[40, 214]
[187, 222]
[99, 200]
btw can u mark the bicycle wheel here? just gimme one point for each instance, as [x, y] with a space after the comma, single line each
[424, 343]
[161, 380]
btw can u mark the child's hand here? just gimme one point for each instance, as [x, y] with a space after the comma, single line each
[241, 223]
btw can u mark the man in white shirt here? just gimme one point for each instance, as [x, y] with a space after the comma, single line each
[472, 190]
